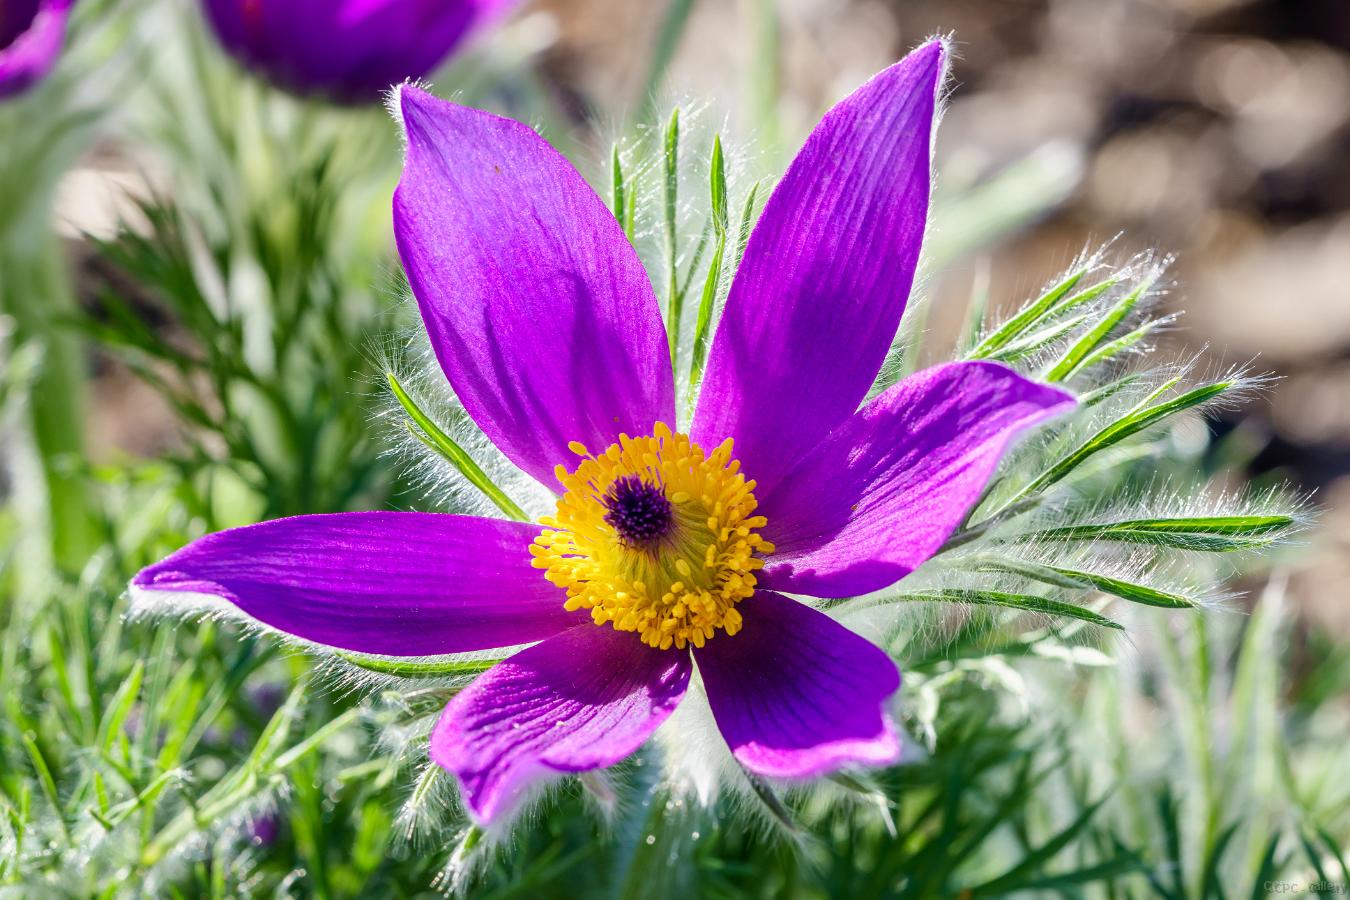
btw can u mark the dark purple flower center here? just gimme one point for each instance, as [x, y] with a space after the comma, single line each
[637, 511]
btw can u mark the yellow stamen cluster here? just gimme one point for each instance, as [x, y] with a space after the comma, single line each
[677, 589]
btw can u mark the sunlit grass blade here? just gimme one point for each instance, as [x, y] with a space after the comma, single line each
[1110, 389]
[1024, 602]
[453, 453]
[747, 220]
[618, 203]
[670, 194]
[1211, 883]
[46, 781]
[1119, 345]
[1097, 333]
[1082, 580]
[1026, 318]
[1132, 423]
[1271, 865]
[712, 283]
[119, 707]
[1028, 344]
[1083, 297]
[1025, 874]
[1213, 534]
[269, 757]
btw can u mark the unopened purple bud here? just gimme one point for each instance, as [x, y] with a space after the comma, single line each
[31, 35]
[349, 51]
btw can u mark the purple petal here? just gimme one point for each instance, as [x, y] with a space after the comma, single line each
[346, 50]
[389, 583]
[584, 699]
[818, 297]
[538, 308]
[796, 694]
[888, 488]
[31, 35]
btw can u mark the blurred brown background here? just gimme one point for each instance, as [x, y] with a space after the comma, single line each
[1218, 130]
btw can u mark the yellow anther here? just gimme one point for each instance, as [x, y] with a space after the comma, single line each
[677, 590]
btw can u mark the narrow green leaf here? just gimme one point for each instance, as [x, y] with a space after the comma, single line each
[1214, 534]
[1025, 602]
[671, 158]
[100, 792]
[1271, 865]
[1021, 876]
[1058, 881]
[1109, 390]
[712, 283]
[46, 781]
[265, 763]
[321, 734]
[1027, 317]
[472, 835]
[620, 209]
[1336, 851]
[692, 268]
[1098, 333]
[747, 219]
[72, 707]
[718, 185]
[772, 802]
[1315, 859]
[1084, 296]
[119, 707]
[438, 440]
[630, 216]
[1080, 580]
[278, 728]
[1211, 884]
[407, 669]
[1127, 426]
[425, 782]
[1028, 344]
[1119, 345]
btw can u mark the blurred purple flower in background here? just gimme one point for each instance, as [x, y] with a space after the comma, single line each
[31, 35]
[349, 51]
[663, 553]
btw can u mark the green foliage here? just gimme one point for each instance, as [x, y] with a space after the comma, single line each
[425, 429]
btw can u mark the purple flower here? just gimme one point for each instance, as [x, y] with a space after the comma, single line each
[347, 50]
[31, 35]
[666, 550]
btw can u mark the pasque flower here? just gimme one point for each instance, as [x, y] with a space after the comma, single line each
[667, 551]
[346, 50]
[31, 35]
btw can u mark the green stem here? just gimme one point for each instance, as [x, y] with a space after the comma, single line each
[762, 82]
[671, 162]
[35, 292]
